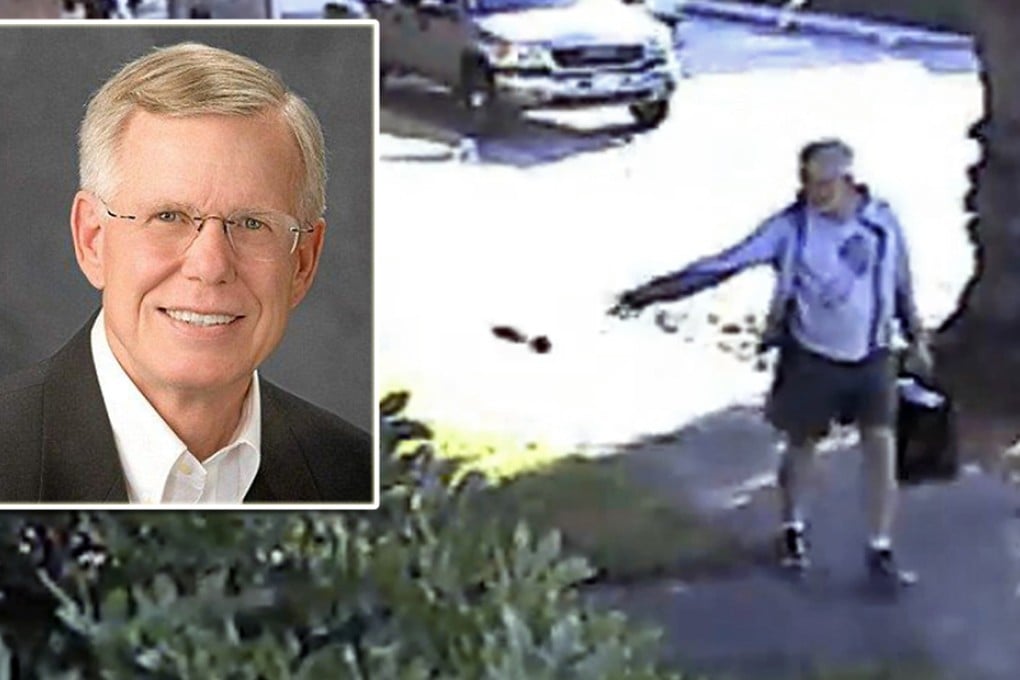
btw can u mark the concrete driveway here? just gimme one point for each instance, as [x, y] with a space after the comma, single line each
[564, 210]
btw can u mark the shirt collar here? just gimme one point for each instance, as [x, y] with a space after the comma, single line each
[148, 448]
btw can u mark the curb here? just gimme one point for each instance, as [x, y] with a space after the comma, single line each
[886, 34]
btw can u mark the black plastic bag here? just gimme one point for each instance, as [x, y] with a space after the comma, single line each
[927, 449]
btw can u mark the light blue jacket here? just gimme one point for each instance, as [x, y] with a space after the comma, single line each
[779, 242]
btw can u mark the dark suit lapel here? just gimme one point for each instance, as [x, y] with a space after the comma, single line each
[80, 462]
[283, 473]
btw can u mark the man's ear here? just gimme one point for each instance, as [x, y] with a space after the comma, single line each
[87, 234]
[309, 249]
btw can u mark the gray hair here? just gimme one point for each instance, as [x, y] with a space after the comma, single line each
[830, 157]
[191, 79]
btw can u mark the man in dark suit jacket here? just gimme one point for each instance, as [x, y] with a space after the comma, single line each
[58, 446]
[199, 218]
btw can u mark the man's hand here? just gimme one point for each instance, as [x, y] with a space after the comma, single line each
[918, 360]
[628, 305]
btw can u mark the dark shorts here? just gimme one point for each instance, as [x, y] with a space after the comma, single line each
[810, 392]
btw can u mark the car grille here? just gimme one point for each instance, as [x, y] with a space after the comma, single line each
[597, 55]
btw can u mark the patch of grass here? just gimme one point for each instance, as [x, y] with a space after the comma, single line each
[625, 530]
[899, 671]
[498, 456]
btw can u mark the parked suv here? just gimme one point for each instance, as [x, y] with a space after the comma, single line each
[524, 54]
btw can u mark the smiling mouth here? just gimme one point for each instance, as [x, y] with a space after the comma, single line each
[198, 319]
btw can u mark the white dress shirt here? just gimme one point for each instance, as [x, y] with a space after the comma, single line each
[157, 465]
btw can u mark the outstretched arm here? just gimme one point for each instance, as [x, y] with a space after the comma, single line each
[763, 246]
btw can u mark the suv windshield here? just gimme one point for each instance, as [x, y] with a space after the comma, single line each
[493, 6]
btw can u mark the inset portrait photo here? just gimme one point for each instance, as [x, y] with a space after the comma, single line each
[186, 264]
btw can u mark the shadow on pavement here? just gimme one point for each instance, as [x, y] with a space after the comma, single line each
[960, 621]
[412, 109]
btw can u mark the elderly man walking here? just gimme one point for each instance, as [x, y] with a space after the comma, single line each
[843, 292]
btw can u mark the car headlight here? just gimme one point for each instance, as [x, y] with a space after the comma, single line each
[657, 49]
[502, 54]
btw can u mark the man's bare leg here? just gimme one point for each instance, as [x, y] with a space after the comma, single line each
[878, 446]
[796, 470]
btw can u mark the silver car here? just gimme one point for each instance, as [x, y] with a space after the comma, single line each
[523, 54]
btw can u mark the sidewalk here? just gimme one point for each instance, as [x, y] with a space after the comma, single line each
[813, 22]
[959, 623]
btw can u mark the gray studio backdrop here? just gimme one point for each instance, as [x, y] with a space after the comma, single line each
[47, 74]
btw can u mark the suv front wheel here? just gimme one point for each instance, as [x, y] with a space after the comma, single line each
[478, 95]
[650, 114]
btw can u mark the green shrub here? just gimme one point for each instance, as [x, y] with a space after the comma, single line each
[424, 587]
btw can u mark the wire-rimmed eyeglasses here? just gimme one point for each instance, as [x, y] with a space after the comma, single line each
[263, 235]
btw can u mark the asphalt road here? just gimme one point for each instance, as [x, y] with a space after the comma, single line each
[963, 539]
